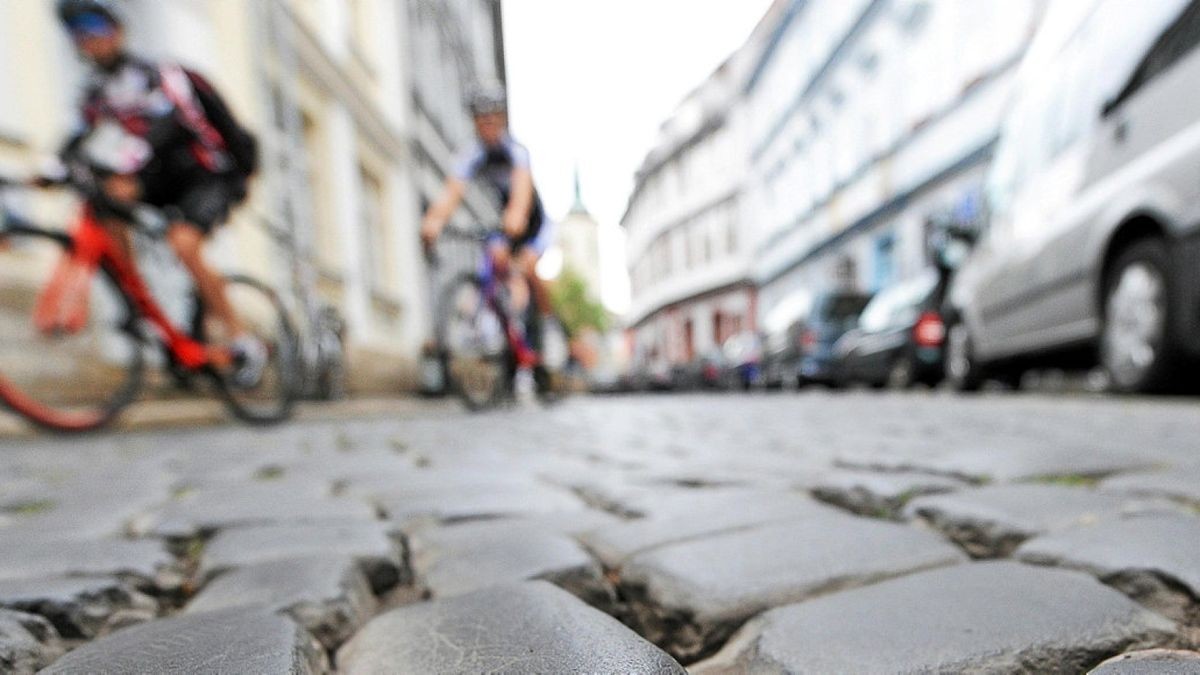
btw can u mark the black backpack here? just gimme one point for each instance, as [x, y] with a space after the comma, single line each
[216, 130]
[241, 145]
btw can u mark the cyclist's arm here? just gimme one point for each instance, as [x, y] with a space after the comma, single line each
[439, 214]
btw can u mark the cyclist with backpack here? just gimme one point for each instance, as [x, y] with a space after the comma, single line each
[182, 151]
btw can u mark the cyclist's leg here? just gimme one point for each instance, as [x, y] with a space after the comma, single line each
[526, 265]
[200, 210]
[528, 256]
[188, 242]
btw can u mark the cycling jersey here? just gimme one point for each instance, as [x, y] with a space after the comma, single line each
[187, 174]
[494, 167]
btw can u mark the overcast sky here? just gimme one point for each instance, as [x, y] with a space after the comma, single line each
[592, 80]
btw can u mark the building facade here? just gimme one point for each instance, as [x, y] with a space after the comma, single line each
[866, 121]
[689, 254]
[358, 105]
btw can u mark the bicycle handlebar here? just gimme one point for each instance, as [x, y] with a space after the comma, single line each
[149, 219]
[478, 235]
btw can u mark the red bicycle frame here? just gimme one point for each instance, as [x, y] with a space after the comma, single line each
[93, 245]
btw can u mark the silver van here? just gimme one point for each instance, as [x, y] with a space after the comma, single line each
[1093, 244]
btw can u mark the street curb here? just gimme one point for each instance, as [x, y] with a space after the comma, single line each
[148, 416]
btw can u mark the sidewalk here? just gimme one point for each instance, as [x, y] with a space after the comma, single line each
[205, 412]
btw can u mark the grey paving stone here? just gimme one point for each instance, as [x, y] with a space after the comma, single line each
[456, 503]
[531, 627]
[215, 509]
[570, 523]
[689, 597]
[29, 555]
[1154, 558]
[28, 643]
[880, 494]
[992, 521]
[328, 595]
[1180, 483]
[452, 564]
[993, 617]
[249, 640]
[87, 503]
[705, 514]
[376, 485]
[639, 500]
[1005, 461]
[380, 555]
[1151, 662]
[79, 607]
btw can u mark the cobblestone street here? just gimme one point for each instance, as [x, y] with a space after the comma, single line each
[830, 533]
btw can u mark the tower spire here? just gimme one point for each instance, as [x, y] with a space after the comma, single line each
[578, 207]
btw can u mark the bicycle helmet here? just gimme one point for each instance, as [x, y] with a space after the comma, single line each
[486, 99]
[88, 14]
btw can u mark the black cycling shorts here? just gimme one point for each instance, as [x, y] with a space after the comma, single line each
[205, 204]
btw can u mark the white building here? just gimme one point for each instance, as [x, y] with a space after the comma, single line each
[865, 119]
[689, 253]
[358, 105]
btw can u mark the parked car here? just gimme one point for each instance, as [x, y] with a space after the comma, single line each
[833, 314]
[742, 355]
[651, 375]
[707, 369]
[1093, 246]
[783, 328]
[899, 339]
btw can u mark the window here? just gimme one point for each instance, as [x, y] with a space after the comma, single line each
[10, 109]
[374, 232]
[362, 30]
[1178, 40]
[731, 232]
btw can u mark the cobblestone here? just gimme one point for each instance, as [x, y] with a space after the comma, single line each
[533, 540]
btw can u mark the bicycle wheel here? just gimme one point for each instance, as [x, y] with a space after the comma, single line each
[71, 356]
[271, 399]
[473, 336]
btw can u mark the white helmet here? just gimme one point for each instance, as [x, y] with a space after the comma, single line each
[488, 98]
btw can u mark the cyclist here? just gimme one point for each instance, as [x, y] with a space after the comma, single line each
[194, 161]
[503, 165]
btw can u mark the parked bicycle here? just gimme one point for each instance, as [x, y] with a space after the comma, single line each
[486, 340]
[77, 319]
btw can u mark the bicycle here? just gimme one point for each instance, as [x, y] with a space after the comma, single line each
[83, 357]
[484, 346]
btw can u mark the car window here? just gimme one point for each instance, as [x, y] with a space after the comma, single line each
[1060, 104]
[898, 305]
[879, 312]
[844, 307]
[1179, 39]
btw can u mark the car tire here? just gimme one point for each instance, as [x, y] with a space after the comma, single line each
[1136, 346]
[902, 376]
[962, 370]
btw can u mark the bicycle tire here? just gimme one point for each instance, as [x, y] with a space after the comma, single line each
[274, 399]
[478, 352]
[66, 382]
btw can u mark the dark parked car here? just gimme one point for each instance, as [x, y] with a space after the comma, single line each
[900, 338]
[833, 314]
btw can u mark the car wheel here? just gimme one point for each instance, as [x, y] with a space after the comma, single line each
[1012, 380]
[903, 374]
[1135, 345]
[962, 371]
